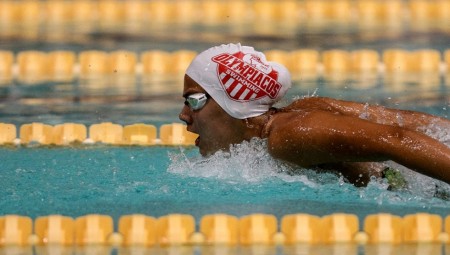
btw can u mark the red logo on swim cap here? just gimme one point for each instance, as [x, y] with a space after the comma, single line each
[246, 77]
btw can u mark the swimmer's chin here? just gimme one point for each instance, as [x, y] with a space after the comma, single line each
[206, 152]
[203, 151]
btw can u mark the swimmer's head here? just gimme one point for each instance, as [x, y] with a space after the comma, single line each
[240, 79]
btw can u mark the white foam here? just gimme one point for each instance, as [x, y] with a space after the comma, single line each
[250, 162]
[420, 185]
[245, 162]
[440, 132]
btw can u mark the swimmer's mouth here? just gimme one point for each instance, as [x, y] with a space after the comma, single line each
[197, 141]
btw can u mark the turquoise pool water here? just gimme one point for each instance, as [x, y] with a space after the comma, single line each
[115, 181]
[111, 180]
[156, 181]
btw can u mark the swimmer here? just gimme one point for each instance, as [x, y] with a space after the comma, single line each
[230, 91]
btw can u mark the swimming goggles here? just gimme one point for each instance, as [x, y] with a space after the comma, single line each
[196, 101]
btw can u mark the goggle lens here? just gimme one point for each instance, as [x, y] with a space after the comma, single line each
[196, 101]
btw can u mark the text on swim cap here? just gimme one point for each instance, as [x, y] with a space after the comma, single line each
[245, 81]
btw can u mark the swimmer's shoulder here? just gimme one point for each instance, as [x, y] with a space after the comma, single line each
[310, 103]
[278, 117]
[284, 116]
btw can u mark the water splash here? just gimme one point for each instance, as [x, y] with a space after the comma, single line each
[365, 112]
[246, 162]
[314, 93]
[249, 163]
[440, 132]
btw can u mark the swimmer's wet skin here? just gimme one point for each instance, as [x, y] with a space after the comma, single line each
[242, 87]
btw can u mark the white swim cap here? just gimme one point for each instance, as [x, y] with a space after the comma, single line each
[240, 79]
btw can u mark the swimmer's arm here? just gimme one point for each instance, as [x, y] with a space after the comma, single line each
[318, 137]
[408, 119]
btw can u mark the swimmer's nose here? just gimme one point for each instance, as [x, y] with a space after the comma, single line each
[185, 115]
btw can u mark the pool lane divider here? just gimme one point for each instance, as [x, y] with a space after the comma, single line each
[69, 134]
[34, 67]
[104, 15]
[224, 229]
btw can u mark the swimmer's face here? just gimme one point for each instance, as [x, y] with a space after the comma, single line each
[216, 129]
